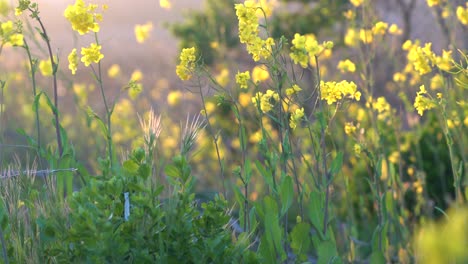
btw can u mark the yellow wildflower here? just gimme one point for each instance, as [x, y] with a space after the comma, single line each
[248, 31]
[142, 32]
[351, 38]
[223, 77]
[350, 14]
[357, 149]
[421, 102]
[379, 28]
[113, 71]
[349, 128]
[82, 17]
[394, 157]
[91, 54]
[16, 40]
[346, 66]
[333, 91]
[293, 90]
[365, 36]
[260, 74]
[73, 61]
[244, 99]
[165, 4]
[137, 76]
[395, 30]
[187, 64]
[399, 77]
[445, 62]
[242, 79]
[295, 118]
[7, 27]
[265, 101]
[437, 82]
[432, 3]
[356, 3]
[173, 98]
[462, 14]
[45, 67]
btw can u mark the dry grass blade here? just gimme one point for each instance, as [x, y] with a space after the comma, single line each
[190, 134]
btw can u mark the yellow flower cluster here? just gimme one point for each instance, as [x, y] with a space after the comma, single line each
[82, 17]
[222, 78]
[346, 66]
[305, 47]
[45, 67]
[462, 14]
[422, 102]
[380, 28]
[432, 3]
[422, 58]
[187, 63]
[260, 74]
[9, 35]
[296, 117]
[142, 32]
[91, 54]
[165, 4]
[265, 100]
[248, 31]
[293, 90]
[353, 36]
[73, 61]
[356, 3]
[333, 91]
[242, 79]
[349, 128]
[380, 105]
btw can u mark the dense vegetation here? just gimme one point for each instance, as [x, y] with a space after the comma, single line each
[336, 140]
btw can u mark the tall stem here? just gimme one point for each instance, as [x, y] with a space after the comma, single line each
[54, 67]
[324, 152]
[33, 79]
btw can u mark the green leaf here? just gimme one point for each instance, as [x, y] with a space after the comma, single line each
[300, 240]
[316, 214]
[267, 176]
[377, 258]
[144, 171]
[172, 171]
[336, 164]
[286, 194]
[327, 253]
[130, 167]
[242, 138]
[50, 104]
[35, 105]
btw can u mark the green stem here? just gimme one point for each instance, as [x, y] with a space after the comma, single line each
[33, 79]
[55, 68]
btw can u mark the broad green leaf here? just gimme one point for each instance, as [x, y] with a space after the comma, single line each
[377, 258]
[286, 194]
[130, 167]
[172, 171]
[315, 212]
[301, 240]
[327, 253]
[144, 171]
[265, 174]
[336, 164]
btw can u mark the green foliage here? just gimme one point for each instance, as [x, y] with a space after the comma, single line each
[123, 220]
